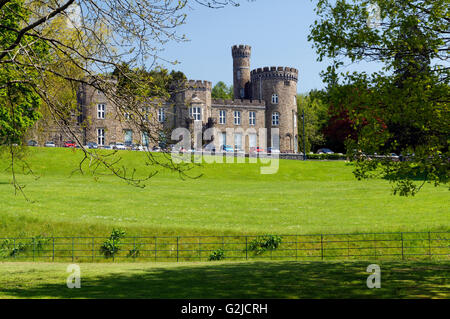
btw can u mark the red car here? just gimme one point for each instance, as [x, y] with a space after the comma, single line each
[256, 150]
[69, 144]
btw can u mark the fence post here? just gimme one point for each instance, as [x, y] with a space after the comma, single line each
[73, 248]
[246, 247]
[401, 236]
[321, 244]
[429, 244]
[156, 249]
[93, 238]
[53, 255]
[114, 249]
[15, 253]
[177, 248]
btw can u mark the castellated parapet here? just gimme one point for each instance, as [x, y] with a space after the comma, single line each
[241, 51]
[275, 72]
[199, 85]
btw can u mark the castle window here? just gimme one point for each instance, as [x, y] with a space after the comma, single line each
[195, 113]
[274, 99]
[145, 139]
[275, 119]
[128, 137]
[161, 115]
[237, 118]
[252, 118]
[101, 136]
[238, 75]
[242, 93]
[101, 111]
[222, 117]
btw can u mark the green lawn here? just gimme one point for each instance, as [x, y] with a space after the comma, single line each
[226, 280]
[302, 198]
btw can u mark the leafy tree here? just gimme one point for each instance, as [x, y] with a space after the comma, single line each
[316, 116]
[49, 48]
[403, 108]
[222, 91]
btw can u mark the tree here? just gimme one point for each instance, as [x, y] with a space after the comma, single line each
[222, 91]
[315, 120]
[402, 108]
[48, 48]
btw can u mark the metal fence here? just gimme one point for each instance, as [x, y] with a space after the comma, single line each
[319, 247]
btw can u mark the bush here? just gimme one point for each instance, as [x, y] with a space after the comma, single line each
[218, 254]
[111, 246]
[135, 252]
[261, 244]
[326, 156]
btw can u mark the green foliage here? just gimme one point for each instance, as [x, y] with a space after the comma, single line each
[316, 117]
[11, 248]
[111, 246]
[222, 91]
[261, 244]
[19, 102]
[218, 254]
[402, 108]
[134, 252]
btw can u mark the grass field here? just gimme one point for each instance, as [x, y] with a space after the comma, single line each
[231, 199]
[226, 280]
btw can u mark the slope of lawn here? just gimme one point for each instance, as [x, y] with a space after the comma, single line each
[226, 280]
[302, 198]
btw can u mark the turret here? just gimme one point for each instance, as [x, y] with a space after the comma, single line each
[241, 71]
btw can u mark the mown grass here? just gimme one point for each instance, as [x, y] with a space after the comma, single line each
[226, 280]
[229, 199]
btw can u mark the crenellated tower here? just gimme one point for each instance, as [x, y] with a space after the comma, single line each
[241, 71]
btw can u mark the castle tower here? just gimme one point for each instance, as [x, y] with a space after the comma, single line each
[241, 71]
[278, 87]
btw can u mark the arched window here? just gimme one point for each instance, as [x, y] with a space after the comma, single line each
[238, 74]
[274, 99]
[275, 119]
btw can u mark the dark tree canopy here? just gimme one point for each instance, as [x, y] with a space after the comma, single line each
[403, 108]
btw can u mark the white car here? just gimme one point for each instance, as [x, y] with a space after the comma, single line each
[120, 146]
[50, 144]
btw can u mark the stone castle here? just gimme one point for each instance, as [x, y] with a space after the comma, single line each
[264, 98]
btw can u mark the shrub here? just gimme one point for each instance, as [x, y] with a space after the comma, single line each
[135, 252]
[218, 254]
[111, 246]
[263, 243]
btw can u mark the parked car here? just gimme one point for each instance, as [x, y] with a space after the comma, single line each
[70, 144]
[257, 149]
[49, 144]
[32, 143]
[227, 149]
[210, 148]
[92, 145]
[325, 151]
[272, 150]
[106, 147]
[156, 149]
[120, 146]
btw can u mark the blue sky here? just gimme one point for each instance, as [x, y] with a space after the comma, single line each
[276, 30]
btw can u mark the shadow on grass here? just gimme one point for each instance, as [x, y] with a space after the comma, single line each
[251, 280]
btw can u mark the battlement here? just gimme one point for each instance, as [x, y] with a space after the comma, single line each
[241, 51]
[239, 102]
[199, 85]
[275, 72]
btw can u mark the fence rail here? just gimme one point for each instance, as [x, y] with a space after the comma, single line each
[387, 246]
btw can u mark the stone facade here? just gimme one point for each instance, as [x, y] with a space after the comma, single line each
[266, 98]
